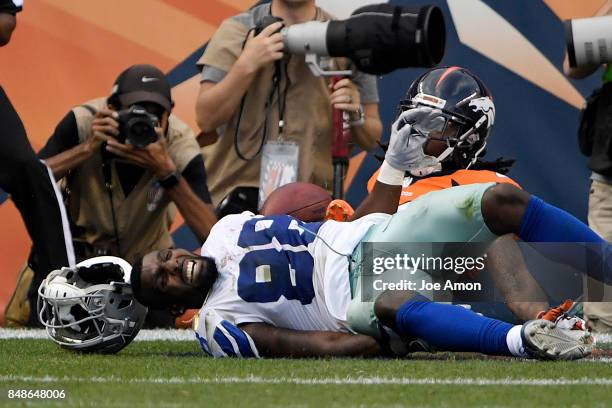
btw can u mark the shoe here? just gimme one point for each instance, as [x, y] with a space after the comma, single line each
[546, 340]
[339, 210]
[564, 316]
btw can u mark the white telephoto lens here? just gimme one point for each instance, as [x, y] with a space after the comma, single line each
[306, 38]
[589, 40]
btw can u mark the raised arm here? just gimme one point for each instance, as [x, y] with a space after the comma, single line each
[217, 102]
[405, 152]
[279, 342]
[384, 198]
[63, 152]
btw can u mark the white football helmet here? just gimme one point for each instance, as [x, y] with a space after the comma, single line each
[91, 307]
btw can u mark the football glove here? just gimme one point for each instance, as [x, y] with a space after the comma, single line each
[405, 151]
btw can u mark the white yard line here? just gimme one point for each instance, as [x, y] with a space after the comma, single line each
[538, 382]
[162, 334]
[144, 335]
[596, 360]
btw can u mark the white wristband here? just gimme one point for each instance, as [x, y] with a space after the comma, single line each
[390, 175]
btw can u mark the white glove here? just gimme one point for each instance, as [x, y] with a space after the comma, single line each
[405, 150]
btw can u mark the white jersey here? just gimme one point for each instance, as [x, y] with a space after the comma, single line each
[280, 271]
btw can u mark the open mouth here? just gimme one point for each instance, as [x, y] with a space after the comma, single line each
[192, 269]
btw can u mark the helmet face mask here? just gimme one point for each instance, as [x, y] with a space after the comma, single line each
[98, 317]
[466, 106]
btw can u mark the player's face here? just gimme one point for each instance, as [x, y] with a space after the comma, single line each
[438, 140]
[8, 22]
[176, 277]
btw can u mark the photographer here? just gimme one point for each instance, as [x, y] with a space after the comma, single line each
[239, 62]
[595, 137]
[30, 185]
[121, 174]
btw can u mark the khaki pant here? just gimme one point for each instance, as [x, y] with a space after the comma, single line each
[17, 312]
[600, 221]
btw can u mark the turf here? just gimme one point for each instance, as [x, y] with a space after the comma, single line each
[177, 374]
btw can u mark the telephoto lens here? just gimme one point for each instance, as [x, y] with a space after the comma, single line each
[377, 38]
[589, 41]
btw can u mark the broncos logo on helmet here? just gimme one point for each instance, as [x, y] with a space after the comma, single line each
[484, 105]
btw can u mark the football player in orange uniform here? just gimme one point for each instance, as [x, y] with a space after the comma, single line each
[448, 160]
[455, 141]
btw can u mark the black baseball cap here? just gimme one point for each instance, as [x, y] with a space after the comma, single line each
[143, 83]
[11, 6]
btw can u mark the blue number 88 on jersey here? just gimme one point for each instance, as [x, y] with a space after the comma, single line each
[278, 262]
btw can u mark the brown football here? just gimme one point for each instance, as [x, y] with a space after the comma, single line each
[304, 201]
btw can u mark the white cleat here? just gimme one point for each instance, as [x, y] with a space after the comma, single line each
[545, 340]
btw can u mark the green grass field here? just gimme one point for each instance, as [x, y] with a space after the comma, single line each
[177, 374]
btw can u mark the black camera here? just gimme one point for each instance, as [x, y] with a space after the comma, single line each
[137, 127]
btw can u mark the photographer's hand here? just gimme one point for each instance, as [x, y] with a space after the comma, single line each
[104, 128]
[262, 49]
[217, 102]
[345, 96]
[154, 157]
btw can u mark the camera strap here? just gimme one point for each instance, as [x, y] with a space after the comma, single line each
[281, 97]
[241, 112]
[265, 127]
[279, 67]
[107, 173]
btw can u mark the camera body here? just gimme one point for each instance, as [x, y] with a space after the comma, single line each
[137, 127]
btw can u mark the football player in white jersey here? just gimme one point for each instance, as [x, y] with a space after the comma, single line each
[275, 286]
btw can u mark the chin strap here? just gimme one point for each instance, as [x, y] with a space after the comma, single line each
[426, 171]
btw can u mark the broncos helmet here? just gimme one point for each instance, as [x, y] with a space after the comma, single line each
[91, 307]
[466, 105]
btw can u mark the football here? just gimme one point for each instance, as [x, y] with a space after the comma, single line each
[304, 201]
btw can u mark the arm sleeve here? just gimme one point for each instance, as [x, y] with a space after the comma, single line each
[212, 74]
[64, 137]
[221, 338]
[195, 176]
[225, 46]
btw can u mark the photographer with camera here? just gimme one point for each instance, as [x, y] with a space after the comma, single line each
[124, 159]
[595, 139]
[253, 93]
